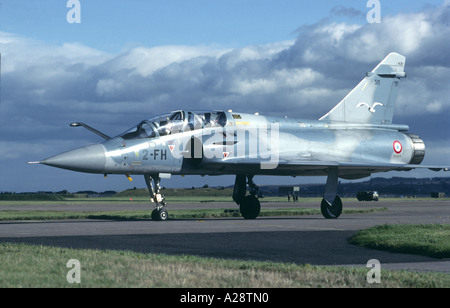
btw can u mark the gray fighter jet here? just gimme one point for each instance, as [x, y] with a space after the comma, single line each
[352, 141]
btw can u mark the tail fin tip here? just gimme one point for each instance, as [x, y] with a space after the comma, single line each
[377, 91]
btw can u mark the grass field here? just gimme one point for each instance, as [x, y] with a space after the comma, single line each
[200, 195]
[9, 215]
[40, 266]
[432, 240]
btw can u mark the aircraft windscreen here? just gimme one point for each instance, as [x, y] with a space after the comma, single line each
[142, 130]
[174, 123]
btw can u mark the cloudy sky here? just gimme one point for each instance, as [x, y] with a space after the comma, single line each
[129, 60]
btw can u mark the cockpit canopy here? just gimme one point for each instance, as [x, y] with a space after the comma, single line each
[174, 123]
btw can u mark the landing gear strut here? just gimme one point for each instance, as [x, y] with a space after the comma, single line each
[159, 213]
[331, 206]
[249, 205]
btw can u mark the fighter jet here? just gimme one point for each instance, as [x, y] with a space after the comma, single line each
[348, 142]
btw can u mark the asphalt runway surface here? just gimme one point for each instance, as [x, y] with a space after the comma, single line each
[296, 239]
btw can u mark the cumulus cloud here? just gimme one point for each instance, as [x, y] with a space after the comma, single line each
[48, 86]
[347, 12]
[326, 60]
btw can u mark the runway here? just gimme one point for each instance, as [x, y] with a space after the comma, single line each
[299, 239]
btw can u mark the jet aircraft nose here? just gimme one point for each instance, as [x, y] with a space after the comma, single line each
[90, 159]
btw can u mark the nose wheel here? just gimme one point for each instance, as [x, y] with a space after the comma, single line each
[159, 213]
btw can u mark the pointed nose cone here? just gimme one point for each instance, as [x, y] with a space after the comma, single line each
[89, 159]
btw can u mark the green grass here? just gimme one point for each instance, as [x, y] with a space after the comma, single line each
[144, 199]
[32, 266]
[431, 240]
[57, 215]
[10, 215]
[40, 266]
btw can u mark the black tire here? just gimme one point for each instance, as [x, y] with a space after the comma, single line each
[160, 215]
[332, 211]
[250, 207]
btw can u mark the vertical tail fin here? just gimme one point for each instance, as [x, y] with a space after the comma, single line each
[373, 99]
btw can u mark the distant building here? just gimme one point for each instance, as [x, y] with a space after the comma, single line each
[437, 195]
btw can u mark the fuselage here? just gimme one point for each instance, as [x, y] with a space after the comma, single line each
[185, 142]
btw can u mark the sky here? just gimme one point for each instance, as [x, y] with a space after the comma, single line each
[129, 60]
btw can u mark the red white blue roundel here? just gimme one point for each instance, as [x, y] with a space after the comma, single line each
[397, 147]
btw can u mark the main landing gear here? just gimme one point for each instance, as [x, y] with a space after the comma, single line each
[249, 205]
[159, 213]
[331, 205]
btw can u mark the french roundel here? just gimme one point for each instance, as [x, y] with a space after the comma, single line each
[397, 147]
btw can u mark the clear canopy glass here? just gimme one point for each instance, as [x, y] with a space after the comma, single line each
[174, 123]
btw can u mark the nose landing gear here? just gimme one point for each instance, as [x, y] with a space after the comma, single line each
[159, 213]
